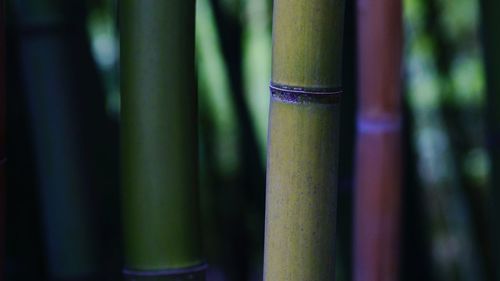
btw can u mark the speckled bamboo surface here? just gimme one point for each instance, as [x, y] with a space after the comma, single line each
[301, 197]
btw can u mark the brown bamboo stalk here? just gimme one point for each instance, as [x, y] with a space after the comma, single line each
[378, 166]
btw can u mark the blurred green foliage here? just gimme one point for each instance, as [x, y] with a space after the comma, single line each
[444, 73]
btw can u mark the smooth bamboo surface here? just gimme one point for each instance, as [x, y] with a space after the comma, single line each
[307, 43]
[378, 161]
[159, 135]
[54, 72]
[377, 214]
[301, 196]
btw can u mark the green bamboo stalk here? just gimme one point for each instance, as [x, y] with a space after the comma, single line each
[159, 141]
[378, 165]
[303, 140]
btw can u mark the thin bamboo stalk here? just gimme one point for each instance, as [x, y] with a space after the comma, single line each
[159, 141]
[3, 157]
[490, 10]
[303, 140]
[378, 165]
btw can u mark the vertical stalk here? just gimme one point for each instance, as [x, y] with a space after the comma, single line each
[303, 140]
[63, 94]
[378, 165]
[159, 141]
[24, 250]
[490, 10]
[3, 158]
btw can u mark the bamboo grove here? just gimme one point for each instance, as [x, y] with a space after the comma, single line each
[132, 140]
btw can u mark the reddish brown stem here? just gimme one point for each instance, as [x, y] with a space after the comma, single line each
[378, 165]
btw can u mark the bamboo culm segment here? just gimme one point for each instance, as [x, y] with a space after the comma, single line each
[378, 180]
[159, 136]
[301, 190]
[301, 195]
[57, 78]
[307, 43]
[378, 192]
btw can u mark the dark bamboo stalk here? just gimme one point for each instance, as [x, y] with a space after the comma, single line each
[61, 87]
[24, 250]
[159, 141]
[247, 197]
[3, 157]
[378, 165]
[490, 9]
[345, 231]
[302, 159]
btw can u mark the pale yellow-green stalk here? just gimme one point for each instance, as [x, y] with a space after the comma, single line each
[303, 140]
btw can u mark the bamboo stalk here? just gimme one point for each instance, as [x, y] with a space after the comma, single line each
[378, 165]
[3, 157]
[56, 71]
[159, 141]
[491, 41]
[347, 129]
[303, 140]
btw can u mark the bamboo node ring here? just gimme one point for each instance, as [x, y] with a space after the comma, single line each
[297, 95]
[153, 274]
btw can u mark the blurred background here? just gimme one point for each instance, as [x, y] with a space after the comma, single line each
[63, 130]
